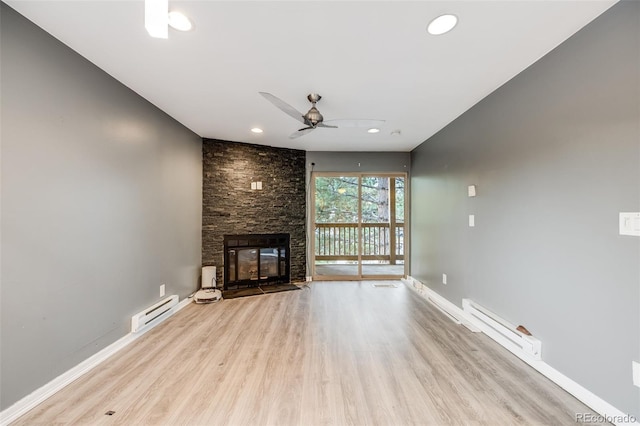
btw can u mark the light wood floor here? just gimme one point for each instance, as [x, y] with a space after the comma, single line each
[333, 353]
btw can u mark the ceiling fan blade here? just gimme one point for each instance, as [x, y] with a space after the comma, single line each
[301, 132]
[326, 126]
[283, 106]
[362, 123]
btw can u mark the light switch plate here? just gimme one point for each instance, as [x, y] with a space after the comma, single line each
[630, 223]
[471, 190]
[162, 290]
[472, 220]
[444, 278]
[259, 185]
[254, 185]
[636, 373]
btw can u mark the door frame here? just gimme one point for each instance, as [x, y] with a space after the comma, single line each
[312, 223]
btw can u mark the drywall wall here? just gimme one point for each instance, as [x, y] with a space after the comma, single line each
[555, 155]
[101, 203]
[361, 162]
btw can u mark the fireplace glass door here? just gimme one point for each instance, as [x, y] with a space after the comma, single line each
[247, 264]
[253, 260]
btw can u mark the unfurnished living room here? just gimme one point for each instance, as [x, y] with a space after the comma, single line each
[320, 212]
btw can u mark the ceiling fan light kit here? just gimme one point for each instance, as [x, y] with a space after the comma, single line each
[313, 119]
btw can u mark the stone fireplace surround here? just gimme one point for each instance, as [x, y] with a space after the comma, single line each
[231, 207]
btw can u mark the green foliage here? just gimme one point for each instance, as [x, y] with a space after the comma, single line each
[336, 202]
[337, 199]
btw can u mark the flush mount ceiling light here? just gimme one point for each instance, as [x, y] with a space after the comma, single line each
[373, 130]
[442, 24]
[256, 130]
[179, 21]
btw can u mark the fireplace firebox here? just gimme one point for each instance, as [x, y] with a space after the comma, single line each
[256, 259]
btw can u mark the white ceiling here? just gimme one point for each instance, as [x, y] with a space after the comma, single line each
[368, 59]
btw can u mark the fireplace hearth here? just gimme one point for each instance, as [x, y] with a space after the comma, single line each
[256, 259]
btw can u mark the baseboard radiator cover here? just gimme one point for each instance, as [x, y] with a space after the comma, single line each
[587, 397]
[153, 314]
[501, 330]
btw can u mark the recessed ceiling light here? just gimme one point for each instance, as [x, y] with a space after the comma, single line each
[256, 130]
[179, 22]
[442, 24]
[373, 130]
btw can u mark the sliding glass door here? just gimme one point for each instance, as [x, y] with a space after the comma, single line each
[337, 241]
[382, 226]
[358, 226]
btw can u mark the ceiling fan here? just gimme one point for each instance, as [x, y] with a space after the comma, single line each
[313, 119]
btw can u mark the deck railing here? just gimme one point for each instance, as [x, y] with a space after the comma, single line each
[339, 241]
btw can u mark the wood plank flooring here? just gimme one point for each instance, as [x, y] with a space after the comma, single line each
[335, 353]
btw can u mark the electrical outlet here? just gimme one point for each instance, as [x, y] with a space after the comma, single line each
[162, 289]
[444, 278]
[636, 373]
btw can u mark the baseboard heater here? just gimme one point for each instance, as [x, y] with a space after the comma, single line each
[154, 314]
[502, 331]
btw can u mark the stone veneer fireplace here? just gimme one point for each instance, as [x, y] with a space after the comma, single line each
[256, 259]
[231, 205]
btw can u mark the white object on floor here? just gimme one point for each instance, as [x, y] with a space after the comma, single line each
[209, 277]
[207, 295]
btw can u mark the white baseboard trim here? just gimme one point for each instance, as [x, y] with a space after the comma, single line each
[184, 302]
[608, 412]
[38, 396]
[455, 313]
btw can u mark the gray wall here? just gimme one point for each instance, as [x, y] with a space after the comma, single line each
[381, 162]
[230, 206]
[555, 155]
[101, 203]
